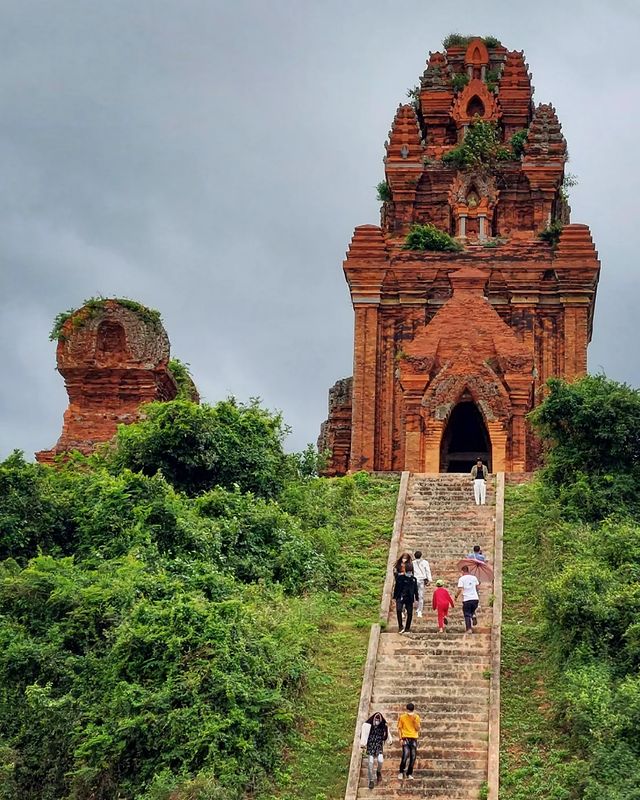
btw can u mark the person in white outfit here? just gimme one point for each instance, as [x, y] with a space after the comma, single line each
[479, 474]
[422, 574]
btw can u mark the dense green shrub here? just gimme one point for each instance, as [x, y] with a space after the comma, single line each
[517, 142]
[383, 192]
[481, 148]
[461, 40]
[114, 674]
[459, 80]
[197, 447]
[182, 376]
[428, 237]
[551, 234]
[155, 645]
[592, 431]
[579, 587]
[455, 39]
[92, 305]
[586, 595]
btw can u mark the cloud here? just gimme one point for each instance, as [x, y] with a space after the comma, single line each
[210, 159]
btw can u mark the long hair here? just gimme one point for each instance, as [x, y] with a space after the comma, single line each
[405, 559]
[383, 722]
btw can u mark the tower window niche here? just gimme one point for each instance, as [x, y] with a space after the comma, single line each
[476, 106]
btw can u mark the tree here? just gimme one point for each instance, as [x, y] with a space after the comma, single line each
[197, 447]
[592, 431]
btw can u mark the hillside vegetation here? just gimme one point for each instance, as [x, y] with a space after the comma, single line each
[571, 630]
[184, 615]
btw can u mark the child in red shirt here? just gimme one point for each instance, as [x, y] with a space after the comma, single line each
[441, 603]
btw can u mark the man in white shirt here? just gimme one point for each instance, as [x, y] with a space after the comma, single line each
[468, 585]
[422, 573]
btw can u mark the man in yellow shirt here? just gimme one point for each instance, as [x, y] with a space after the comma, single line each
[408, 730]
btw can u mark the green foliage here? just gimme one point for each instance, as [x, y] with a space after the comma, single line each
[455, 40]
[517, 142]
[309, 463]
[414, 96]
[568, 182]
[428, 237]
[182, 376]
[158, 646]
[571, 637]
[592, 431]
[383, 192]
[114, 674]
[492, 77]
[551, 234]
[481, 148]
[197, 447]
[90, 308]
[459, 80]
[536, 760]
[461, 40]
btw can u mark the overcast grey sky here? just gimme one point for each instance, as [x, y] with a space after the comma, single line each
[211, 159]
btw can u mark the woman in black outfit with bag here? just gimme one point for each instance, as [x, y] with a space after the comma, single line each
[405, 593]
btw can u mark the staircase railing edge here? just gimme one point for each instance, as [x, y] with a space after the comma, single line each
[493, 771]
[398, 521]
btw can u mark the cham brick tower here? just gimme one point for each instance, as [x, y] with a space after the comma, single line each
[114, 357]
[452, 348]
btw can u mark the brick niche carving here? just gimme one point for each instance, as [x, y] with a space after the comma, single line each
[455, 347]
[112, 360]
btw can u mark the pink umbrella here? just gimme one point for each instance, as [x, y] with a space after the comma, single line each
[480, 569]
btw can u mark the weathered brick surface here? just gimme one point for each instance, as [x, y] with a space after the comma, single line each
[112, 361]
[528, 315]
[335, 434]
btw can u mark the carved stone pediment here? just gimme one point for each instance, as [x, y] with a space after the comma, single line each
[515, 363]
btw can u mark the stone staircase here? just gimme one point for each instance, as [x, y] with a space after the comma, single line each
[447, 676]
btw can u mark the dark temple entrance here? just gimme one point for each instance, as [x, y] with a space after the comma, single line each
[465, 440]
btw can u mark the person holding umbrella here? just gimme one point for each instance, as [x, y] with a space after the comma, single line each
[478, 567]
[477, 554]
[468, 585]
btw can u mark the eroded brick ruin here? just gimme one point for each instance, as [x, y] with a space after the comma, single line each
[113, 359]
[452, 349]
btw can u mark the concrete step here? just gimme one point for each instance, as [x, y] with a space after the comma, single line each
[445, 675]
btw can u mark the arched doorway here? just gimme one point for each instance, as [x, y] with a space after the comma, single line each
[465, 439]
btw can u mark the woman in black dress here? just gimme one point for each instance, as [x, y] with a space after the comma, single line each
[405, 593]
[374, 734]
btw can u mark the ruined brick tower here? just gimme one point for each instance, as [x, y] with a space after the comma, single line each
[452, 348]
[114, 356]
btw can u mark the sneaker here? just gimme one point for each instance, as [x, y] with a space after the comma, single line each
[446, 620]
[419, 614]
[474, 619]
[409, 777]
[371, 784]
[401, 776]
[400, 630]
